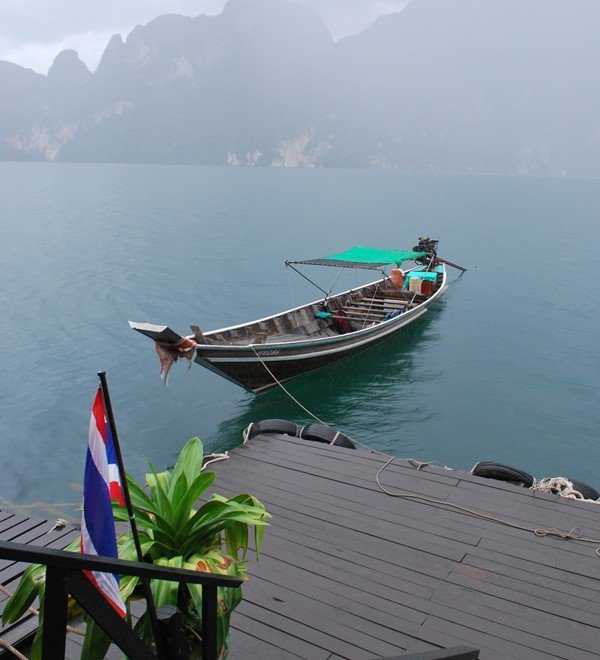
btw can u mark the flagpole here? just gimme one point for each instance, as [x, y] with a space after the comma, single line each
[127, 498]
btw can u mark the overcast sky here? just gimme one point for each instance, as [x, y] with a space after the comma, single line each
[33, 32]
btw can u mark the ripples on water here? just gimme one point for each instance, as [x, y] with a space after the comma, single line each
[505, 367]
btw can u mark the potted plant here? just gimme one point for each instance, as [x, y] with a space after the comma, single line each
[172, 532]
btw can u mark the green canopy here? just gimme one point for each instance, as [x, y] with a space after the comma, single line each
[364, 257]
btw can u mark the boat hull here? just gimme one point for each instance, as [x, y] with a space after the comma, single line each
[261, 367]
[266, 352]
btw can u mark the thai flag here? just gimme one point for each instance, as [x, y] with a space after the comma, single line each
[101, 484]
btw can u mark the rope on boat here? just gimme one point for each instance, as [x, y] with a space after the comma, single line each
[574, 534]
[291, 290]
[335, 281]
[307, 411]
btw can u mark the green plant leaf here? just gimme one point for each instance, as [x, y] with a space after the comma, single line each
[139, 498]
[26, 592]
[36, 647]
[203, 538]
[95, 643]
[166, 544]
[158, 480]
[210, 510]
[189, 462]
[143, 519]
[178, 490]
[74, 546]
[126, 545]
[222, 630]
[248, 502]
[213, 560]
[259, 530]
[216, 509]
[236, 538]
[127, 586]
[207, 534]
[164, 592]
[160, 497]
[183, 510]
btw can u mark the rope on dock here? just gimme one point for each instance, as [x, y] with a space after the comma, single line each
[574, 534]
[215, 458]
[561, 486]
[9, 647]
[32, 610]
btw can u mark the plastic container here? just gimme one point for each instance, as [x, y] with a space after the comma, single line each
[415, 284]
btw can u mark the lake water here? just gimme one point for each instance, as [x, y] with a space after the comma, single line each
[505, 368]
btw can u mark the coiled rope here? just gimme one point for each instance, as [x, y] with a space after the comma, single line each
[561, 486]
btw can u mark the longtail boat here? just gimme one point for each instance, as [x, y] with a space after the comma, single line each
[263, 353]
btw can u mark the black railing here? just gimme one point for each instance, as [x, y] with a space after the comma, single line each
[64, 576]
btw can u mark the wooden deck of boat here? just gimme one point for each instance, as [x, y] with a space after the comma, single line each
[350, 572]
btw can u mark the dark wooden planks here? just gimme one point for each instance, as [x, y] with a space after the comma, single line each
[551, 583]
[341, 555]
[23, 529]
[437, 540]
[349, 572]
[247, 647]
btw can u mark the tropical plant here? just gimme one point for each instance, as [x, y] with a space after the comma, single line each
[212, 538]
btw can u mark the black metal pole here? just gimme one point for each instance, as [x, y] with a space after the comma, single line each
[127, 498]
[287, 263]
[449, 263]
[209, 622]
[55, 614]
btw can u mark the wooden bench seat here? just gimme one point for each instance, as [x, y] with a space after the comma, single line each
[362, 313]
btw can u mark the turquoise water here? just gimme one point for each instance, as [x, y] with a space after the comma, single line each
[506, 367]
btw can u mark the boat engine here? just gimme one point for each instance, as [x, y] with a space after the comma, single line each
[428, 245]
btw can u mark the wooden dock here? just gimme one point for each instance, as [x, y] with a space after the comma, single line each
[34, 531]
[348, 571]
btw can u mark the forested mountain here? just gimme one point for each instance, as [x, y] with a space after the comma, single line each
[450, 85]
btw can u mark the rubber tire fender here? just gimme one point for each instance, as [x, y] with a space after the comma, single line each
[490, 470]
[322, 433]
[281, 426]
[587, 491]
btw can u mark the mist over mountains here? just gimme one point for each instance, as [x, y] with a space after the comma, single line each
[501, 86]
